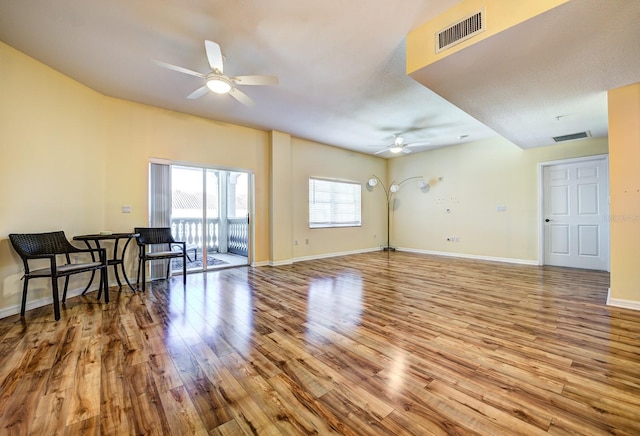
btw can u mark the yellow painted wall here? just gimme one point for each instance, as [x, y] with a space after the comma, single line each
[476, 178]
[624, 160]
[500, 15]
[281, 198]
[314, 160]
[71, 157]
[51, 160]
[138, 133]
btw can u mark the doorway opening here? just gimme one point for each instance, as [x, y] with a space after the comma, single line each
[210, 212]
[208, 209]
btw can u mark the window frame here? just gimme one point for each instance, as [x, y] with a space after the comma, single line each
[332, 223]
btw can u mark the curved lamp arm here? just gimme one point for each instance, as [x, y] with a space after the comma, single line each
[374, 180]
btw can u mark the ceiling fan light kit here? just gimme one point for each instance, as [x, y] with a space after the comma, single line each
[218, 84]
[400, 146]
[216, 81]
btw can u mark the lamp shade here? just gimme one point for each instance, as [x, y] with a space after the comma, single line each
[372, 182]
[422, 184]
[394, 188]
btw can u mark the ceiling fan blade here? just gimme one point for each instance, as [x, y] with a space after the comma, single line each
[241, 97]
[418, 144]
[406, 150]
[198, 92]
[178, 69]
[214, 55]
[381, 151]
[255, 80]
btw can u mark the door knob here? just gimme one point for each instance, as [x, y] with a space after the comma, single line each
[547, 220]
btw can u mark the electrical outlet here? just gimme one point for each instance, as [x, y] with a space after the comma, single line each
[125, 208]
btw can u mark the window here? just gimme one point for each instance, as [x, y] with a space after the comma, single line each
[334, 204]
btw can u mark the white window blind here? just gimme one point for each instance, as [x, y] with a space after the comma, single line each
[334, 204]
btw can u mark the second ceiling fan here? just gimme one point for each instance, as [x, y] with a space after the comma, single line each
[399, 146]
[216, 81]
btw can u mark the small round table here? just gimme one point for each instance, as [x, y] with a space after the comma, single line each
[117, 259]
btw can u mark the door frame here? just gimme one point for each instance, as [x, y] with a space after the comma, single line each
[250, 200]
[541, 214]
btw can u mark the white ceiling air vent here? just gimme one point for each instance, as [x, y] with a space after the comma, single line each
[460, 31]
[571, 137]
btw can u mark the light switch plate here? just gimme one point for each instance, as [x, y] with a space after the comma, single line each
[126, 208]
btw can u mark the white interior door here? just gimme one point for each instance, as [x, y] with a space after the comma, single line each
[575, 213]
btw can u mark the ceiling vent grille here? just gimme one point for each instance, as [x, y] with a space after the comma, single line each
[460, 31]
[571, 137]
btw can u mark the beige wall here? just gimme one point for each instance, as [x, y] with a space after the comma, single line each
[51, 160]
[624, 160]
[476, 178]
[314, 160]
[70, 158]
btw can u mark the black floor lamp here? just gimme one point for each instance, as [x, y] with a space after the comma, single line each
[393, 188]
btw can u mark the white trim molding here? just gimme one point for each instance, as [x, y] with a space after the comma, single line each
[471, 256]
[337, 254]
[624, 304]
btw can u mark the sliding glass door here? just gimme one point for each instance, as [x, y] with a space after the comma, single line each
[209, 210]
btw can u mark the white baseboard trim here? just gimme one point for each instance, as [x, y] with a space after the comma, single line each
[624, 304]
[280, 262]
[315, 257]
[335, 254]
[34, 304]
[470, 256]
[261, 263]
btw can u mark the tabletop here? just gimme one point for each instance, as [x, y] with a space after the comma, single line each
[104, 236]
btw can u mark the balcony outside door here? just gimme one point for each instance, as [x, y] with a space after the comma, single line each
[209, 210]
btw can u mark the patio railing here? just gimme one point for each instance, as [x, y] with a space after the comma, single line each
[190, 230]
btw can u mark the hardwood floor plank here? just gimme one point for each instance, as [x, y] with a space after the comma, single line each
[116, 411]
[85, 399]
[51, 413]
[182, 417]
[376, 343]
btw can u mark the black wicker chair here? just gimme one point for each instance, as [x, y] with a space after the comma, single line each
[161, 238]
[48, 246]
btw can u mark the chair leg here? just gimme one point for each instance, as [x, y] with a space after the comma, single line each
[66, 285]
[168, 268]
[144, 277]
[23, 308]
[138, 274]
[56, 302]
[184, 269]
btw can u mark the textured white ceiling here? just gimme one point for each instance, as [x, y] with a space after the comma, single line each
[341, 65]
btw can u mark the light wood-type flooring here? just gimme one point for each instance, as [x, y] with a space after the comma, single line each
[369, 344]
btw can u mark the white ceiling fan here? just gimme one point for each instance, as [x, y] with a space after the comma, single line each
[217, 81]
[399, 146]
